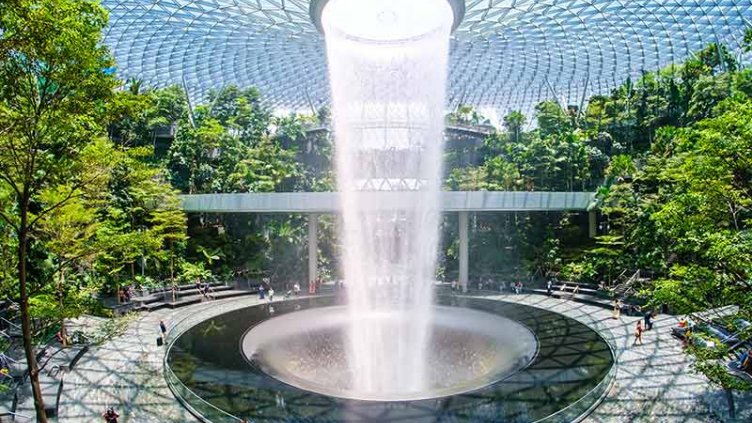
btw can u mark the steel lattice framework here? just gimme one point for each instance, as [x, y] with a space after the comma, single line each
[506, 54]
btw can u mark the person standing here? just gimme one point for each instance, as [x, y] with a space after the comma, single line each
[549, 287]
[271, 294]
[638, 333]
[110, 416]
[649, 320]
[617, 310]
[163, 328]
[296, 289]
[262, 292]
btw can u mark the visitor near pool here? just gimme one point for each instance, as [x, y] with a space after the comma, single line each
[638, 333]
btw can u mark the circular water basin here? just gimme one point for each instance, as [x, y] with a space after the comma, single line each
[468, 349]
[489, 361]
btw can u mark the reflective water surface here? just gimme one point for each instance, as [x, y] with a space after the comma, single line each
[566, 377]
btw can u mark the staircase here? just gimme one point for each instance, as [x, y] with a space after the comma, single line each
[185, 295]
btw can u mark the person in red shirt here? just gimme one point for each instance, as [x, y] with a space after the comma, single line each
[638, 333]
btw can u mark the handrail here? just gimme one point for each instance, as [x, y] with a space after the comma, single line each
[601, 389]
[10, 323]
[177, 387]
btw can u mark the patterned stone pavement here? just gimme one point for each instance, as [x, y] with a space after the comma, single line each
[654, 382]
[126, 373]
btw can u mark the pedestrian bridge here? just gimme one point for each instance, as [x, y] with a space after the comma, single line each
[462, 202]
[328, 202]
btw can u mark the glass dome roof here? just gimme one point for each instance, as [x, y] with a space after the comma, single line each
[506, 54]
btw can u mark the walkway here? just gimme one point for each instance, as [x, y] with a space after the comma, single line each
[654, 382]
[126, 373]
[329, 202]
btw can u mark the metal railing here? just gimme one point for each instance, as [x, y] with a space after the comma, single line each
[199, 407]
[209, 413]
[581, 409]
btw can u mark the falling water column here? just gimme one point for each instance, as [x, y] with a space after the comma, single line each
[387, 63]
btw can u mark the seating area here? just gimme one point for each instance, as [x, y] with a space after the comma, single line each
[182, 295]
[579, 292]
[712, 332]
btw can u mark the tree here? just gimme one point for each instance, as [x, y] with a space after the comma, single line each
[466, 115]
[54, 80]
[514, 122]
[69, 234]
[552, 119]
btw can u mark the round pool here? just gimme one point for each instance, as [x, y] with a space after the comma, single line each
[489, 360]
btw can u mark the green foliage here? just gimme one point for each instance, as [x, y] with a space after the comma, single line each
[563, 161]
[195, 272]
[55, 79]
[142, 222]
[578, 271]
[466, 115]
[228, 148]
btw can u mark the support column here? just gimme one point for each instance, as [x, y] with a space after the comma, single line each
[464, 251]
[313, 247]
[592, 224]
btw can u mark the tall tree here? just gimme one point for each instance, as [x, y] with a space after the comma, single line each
[53, 81]
[68, 233]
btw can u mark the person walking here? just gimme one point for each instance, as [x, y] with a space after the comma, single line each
[549, 287]
[617, 310]
[163, 328]
[638, 333]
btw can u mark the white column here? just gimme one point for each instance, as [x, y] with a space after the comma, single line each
[592, 222]
[313, 246]
[464, 251]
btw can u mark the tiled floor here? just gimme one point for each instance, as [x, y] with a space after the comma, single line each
[654, 381]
